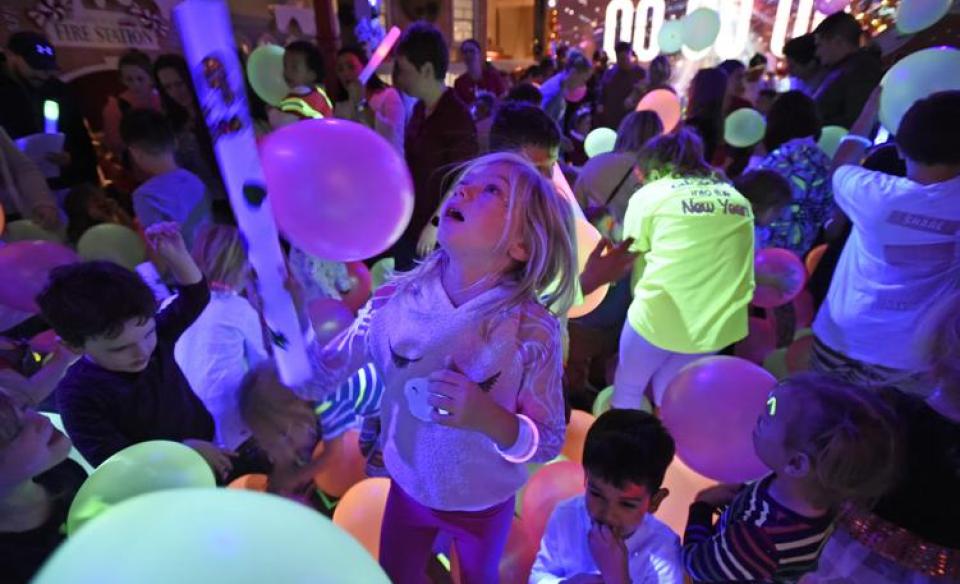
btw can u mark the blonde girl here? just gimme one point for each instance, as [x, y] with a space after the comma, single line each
[470, 354]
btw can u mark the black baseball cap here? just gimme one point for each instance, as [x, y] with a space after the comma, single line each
[34, 48]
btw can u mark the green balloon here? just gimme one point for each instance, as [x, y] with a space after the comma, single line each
[142, 468]
[200, 536]
[381, 272]
[670, 37]
[114, 243]
[916, 15]
[700, 28]
[265, 72]
[27, 230]
[915, 77]
[602, 402]
[599, 141]
[830, 137]
[744, 128]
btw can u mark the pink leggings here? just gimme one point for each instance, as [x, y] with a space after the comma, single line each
[409, 530]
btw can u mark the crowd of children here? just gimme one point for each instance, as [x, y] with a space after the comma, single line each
[461, 369]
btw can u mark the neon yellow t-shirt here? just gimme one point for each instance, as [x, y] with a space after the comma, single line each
[696, 272]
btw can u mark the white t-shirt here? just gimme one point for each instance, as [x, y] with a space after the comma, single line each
[215, 353]
[903, 254]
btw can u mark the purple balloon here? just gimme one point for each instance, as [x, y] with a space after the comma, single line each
[711, 408]
[25, 266]
[780, 277]
[338, 189]
[329, 317]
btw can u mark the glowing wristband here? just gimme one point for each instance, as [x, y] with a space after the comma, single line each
[862, 141]
[528, 440]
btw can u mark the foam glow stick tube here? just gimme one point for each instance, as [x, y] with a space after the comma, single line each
[379, 54]
[208, 44]
[51, 116]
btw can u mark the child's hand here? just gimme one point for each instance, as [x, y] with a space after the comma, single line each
[218, 458]
[165, 239]
[463, 401]
[718, 495]
[609, 553]
[603, 268]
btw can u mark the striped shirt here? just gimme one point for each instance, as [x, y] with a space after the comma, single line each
[358, 398]
[756, 540]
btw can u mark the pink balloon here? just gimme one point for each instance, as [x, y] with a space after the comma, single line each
[711, 408]
[547, 487]
[25, 266]
[360, 283]
[761, 340]
[329, 317]
[780, 277]
[339, 191]
[665, 104]
[576, 94]
[828, 7]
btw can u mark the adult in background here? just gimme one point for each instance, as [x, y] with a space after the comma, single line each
[793, 128]
[616, 85]
[705, 99]
[33, 81]
[23, 190]
[806, 73]
[480, 75]
[136, 74]
[575, 75]
[852, 72]
[901, 253]
[439, 135]
[734, 98]
[375, 105]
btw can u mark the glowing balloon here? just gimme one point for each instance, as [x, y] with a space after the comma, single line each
[360, 512]
[915, 77]
[670, 36]
[197, 536]
[518, 555]
[761, 341]
[602, 402]
[665, 104]
[381, 272]
[776, 363]
[265, 72]
[587, 239]
[329, 317]
[711, 408]
[576, 94]
[780, 277]
[113, 243]
[813, 258]
[830, 137]
[744, 128]
[577, 428]
[343, 465]
[360, 286]
[599, 141]
[700, 28]
[683, 484]
[27, 230]
[830, 6]
[339, 190]
[142, 468]
[916, 15]
[3, 219]
[547, 487]
[25, 266]
[250, 482]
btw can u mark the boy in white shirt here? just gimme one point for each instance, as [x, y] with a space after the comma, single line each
[608, 535]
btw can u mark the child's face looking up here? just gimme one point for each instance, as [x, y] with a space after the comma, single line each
[295, 70]
[474, 219]
[770, 435]
[128, 352]
[620, 509]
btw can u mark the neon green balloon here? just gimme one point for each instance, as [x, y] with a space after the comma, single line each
[142, 468]
[700, 28]
[199, 536]
[744, 128]
[265, 72]
[27, 230]
[602, 403]
[670, 37]
[916, 15]
[381, 272]
[114, 243]
[915, 77]
[599, 141]
[830, 137]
